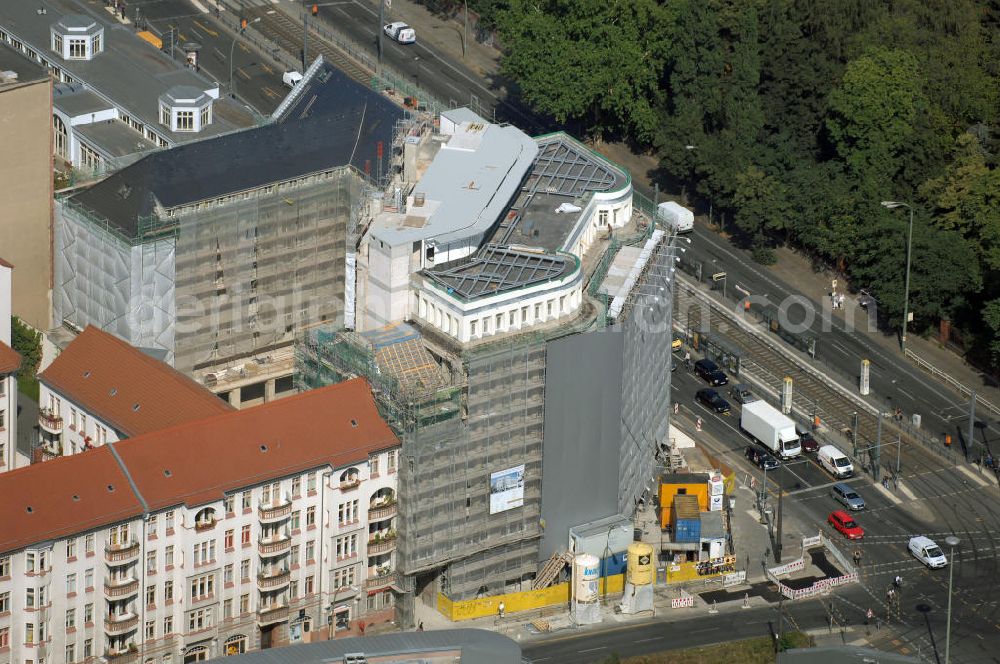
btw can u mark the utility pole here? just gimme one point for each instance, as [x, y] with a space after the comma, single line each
[877, 456]
[381, 22]
[777, 539]
[465, 33]
[854, 432]
[972, 423]
[899, 445]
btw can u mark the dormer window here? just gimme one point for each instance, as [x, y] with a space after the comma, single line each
[185, 109]
[76, 37]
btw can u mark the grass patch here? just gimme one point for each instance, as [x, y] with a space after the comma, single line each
[750, 651]
[28, 386]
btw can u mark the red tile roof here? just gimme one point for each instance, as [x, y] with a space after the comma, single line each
[125, 387]
[6, 264]
[10, 361]
[192, 463]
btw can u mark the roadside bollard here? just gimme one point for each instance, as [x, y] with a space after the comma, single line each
[697, 424]
[746, 601]
[713, 609]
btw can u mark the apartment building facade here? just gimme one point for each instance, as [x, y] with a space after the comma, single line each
[100, 389]
[10, 362]
[247, 530]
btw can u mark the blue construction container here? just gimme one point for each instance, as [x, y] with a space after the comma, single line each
[686, 519]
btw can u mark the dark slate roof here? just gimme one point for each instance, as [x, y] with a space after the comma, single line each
[318, 137]
[478, 646]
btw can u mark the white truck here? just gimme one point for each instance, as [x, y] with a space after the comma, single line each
[676, 217]
[770, 428]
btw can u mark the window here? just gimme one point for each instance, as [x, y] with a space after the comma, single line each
[294, 521]
[293, 589]
[200, 619]
[78, 48]
[5, 602]
[89, 158]
[151, 594]
[165, 115]
[548, 308]
[245, 603]
[29, 632]
[296, 486]
[202, 587]
[71, 584]
[343, 577]
[29, 598]
[309, 585]
[206, 116]
[88, 648]
[310, 517]
[83, 424]
[373, 462]
[246, 500]
[29, 562]
[88, 578]
[70, 618]
[347, 546]
[88, 544]
[88, 613]
[4, 637]
[310, 550]
[538, 311]
[472, 328]
[43, 596]
[227, 573]
[168, 625]
[4, 565]
[245, 570]
[230, 538]
[185, 122]
[245, 534]
[168, 521]
[95, 45]
[227, 609]
[524, 314]
[71, 548]
[602, 218]
[392, 460]
[150, 630]
[229, 504]
[511, 320]
[204, 552]
[57, 43]
[311, 482]
[151, 562]
[71, 652]
[293, 555]
[168, 556]
[168, 591]
[152, 525]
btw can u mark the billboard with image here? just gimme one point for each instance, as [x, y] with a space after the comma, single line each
[506, 489]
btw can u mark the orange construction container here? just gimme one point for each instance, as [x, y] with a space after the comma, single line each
[679, 484]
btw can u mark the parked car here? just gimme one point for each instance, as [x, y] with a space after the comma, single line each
[761, 458]
[710, 372]
[926, 551]
[712, 400]
[845, 524]
[807, 440]
[847, 496]
[741, 394]
[400, 32]
[291, 78]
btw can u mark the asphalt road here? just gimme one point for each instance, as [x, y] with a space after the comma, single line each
[256, 78]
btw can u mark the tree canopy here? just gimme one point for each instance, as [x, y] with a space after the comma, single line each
[794, 120]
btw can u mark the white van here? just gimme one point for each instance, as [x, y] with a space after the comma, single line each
[291, 78]
[675, 217]
[835, 461]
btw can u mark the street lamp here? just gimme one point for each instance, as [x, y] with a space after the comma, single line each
[909, 243]
[244, 24]
[952, 542]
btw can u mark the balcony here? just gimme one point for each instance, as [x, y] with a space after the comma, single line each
[380, 544]
[204, 525]
[115, 589]
[122, 554]
[50, 421]
[380, 581]
[275, 513]
[382, 512]
[127, 656]
[268, 615]
[350, 483]
[275, 580]
[116, 625]
[274, 546]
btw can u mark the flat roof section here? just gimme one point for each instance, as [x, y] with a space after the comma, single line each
[473, 177]
[114, 138]
[494, 270]
[74, 99]
[27, 70]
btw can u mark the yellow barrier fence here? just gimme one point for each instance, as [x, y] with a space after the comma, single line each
[526, 600]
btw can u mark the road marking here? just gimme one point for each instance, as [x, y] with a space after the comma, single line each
[593, 649]
[202, 8]
[972, 476]
[203, 26]
[706, 629]
[888, 494]
[655, 638]
[836, 346]
[906, 492]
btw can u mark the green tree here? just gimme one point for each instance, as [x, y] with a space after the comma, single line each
[872, 114]
[761, 203]
[596, 62]
[28, 343]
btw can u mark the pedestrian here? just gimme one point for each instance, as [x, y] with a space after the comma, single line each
[885, 482]
[890, 596]
[869, 615]
[501, 609]
[687, 359]
[857, 557]
[420, 627]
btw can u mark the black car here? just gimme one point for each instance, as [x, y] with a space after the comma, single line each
[761, 458]
[710, 372]
[806, 439]
[712, 400]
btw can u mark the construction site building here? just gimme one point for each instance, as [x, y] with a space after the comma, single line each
[514, 322]
[219, 253]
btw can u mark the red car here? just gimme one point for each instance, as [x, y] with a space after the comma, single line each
[846, 525]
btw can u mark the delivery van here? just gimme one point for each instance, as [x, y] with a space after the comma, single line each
[834, 461]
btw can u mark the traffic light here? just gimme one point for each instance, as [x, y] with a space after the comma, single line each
[315, 10]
